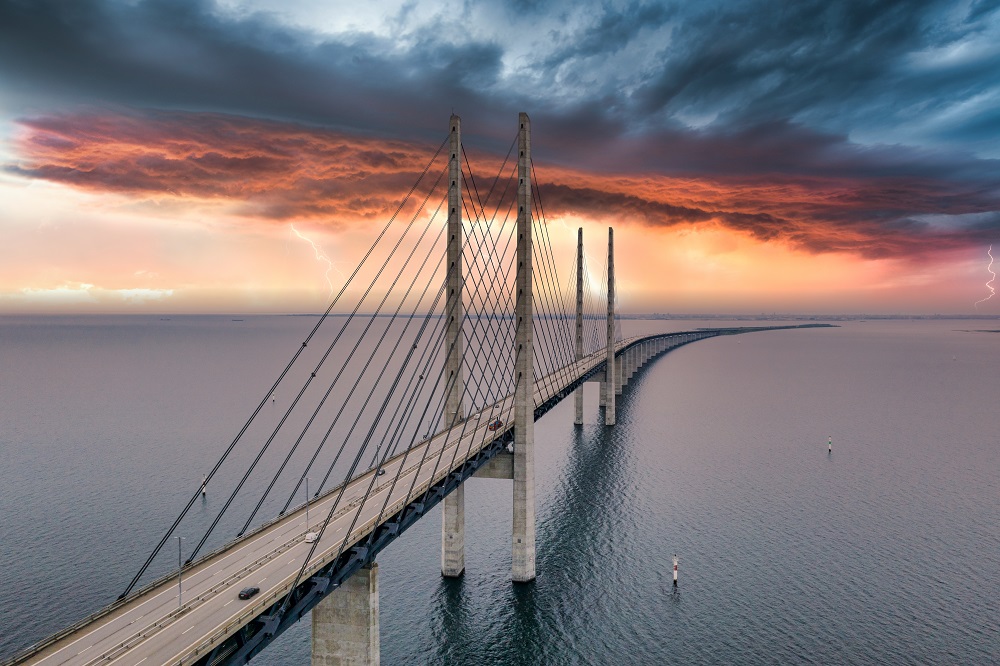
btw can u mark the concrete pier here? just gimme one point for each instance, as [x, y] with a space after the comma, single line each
[523, 537]
[345, 624]
[620, 374]
[578, 394]
[453, 533]
[610, 374]
[453, 506]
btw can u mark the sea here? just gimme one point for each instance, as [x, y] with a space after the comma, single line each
[884, 551]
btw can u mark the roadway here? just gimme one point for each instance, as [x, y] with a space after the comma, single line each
[150, 628]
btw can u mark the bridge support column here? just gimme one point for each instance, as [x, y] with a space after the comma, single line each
[345, 624]
[578, 394]
[611, 374]
[620, 373]
[453, 506]
[523, 537]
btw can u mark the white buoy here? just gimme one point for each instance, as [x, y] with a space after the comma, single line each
[829, 445]
[675, 569]
[204, 485]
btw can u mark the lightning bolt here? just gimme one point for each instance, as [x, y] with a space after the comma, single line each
[989, 283]
[320, 256]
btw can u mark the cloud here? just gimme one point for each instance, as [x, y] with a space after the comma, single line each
[257, 168]
[275, 171]
[84, 294]
[595, 72]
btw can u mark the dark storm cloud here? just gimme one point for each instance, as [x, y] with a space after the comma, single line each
[748, 65]
[774, 58]
[181, 54]
[881, 219]
[763, 89]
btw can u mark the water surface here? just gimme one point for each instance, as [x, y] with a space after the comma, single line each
[886, 551]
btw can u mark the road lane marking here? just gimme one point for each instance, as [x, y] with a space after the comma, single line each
[437, 447]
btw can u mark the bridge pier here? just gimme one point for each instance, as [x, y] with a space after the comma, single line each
[609, 389]
[620, 378]
[453, 505]
[523, 536]
[345, 624]
[578, 394]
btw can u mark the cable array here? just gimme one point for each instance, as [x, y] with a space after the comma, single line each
[367, 385]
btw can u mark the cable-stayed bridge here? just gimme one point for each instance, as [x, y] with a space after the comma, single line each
[430, 366]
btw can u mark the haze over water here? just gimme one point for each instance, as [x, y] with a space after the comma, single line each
[886, 551]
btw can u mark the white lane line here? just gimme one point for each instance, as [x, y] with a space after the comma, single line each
[187, 630]
[219, 565]
[276, 536]
[141, 660]
[227, 603]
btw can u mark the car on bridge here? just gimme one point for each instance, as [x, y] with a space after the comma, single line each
[248, 592]
[495, 424]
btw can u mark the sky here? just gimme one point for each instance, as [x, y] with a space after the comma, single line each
[171, 156]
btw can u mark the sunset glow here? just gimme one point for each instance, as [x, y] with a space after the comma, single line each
[116, 201]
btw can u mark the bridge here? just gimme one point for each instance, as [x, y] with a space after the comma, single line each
[435, 390]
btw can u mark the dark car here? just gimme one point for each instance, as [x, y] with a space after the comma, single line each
[495, 424]
[248, 592]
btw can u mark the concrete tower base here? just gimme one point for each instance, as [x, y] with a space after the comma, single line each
[345, 624]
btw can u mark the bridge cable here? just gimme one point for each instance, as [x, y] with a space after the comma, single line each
[374, 352]
[557, 341]
[281, 376]
[334, 507]
[347, 479]
[560, 345]
[306, 384]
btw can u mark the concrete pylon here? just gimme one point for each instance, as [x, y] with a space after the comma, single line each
[523, 537]
[345, 624]
[453, 506]
[578, 394]
[610, 373]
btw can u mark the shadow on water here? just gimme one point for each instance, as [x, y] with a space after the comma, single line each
[582, 523]
[580, 554]
[453, 627]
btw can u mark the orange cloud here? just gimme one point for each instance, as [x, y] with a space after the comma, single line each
[282, 171]
[266, 169]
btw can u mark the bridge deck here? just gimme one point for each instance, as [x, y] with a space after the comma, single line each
[150, 628]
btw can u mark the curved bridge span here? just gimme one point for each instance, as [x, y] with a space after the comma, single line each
[214, 627]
